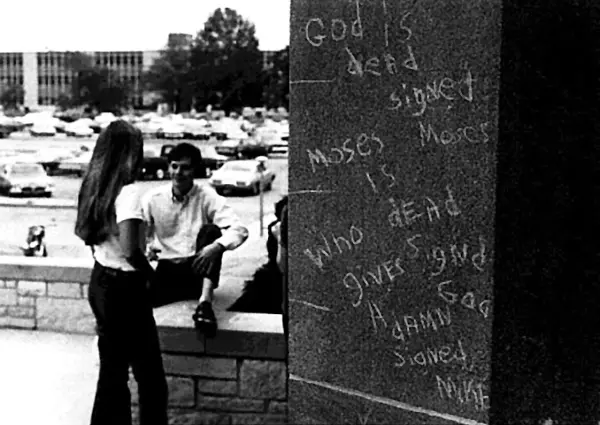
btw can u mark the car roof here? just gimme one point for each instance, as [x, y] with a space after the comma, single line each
[243, 161]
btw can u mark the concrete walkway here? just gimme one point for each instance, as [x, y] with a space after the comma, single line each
[46, 378]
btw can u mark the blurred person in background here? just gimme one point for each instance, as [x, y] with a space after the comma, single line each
[266, 291]
[110, 221]
[190, 226]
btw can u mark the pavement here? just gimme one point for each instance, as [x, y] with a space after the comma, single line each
[49, 378]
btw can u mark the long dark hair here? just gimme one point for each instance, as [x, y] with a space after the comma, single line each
[115, 162]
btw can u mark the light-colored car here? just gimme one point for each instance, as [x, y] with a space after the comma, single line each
[244, 175]
[76, 164]
[25, 178]
[42, 129]
[79, 128]
[149, 128]
[171, 130]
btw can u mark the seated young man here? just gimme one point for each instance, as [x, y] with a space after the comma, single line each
[189, 227]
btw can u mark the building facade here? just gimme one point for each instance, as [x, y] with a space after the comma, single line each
[46, 76]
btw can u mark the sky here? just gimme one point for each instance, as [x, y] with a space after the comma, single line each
[38, 25]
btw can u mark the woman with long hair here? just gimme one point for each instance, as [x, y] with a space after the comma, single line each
[110, 221]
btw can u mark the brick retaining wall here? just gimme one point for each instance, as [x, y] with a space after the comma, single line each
[237, 378]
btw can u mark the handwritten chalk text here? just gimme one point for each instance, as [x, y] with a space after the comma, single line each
[382, 274]
[317, 32]
[431, 356]
[406, 326]
[467, 299]
[346, 243]
[361, 146]
[405, 213]
[359, 66]
[416, 100]
[463, 391]
[473, 134]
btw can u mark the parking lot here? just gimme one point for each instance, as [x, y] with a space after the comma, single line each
[60, 239]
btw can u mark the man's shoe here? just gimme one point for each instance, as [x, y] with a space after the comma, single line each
[205, 320]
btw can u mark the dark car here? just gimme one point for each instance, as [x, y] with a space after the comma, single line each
[249, 148]
[212, 161]
[155, 165]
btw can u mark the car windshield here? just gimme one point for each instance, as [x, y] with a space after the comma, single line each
[232, 166]
[208, 151]
[27, 170]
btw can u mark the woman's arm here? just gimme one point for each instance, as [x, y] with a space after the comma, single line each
[130, 232]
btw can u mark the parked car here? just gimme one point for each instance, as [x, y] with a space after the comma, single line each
[155, 164]
[195, 130]
[26, 179]
[228, 147]
[50, 158]
[77, 164]
[79, 128]
[212, 160]
[248, 148]
[149, 128]
[243, 175]
[171, 130]
[42, 129]
[276, 142]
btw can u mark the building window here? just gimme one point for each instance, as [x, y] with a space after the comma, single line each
[51, 81]
[40, 80]
[21, 80]
[40, 100]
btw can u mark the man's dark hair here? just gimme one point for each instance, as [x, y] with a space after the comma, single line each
[186, 150]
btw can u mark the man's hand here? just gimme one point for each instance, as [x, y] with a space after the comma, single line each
[206, 256]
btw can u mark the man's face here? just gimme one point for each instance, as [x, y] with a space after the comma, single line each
[182, 174]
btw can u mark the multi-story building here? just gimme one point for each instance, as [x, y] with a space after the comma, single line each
[46, 76]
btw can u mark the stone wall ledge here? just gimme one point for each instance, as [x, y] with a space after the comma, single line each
[48, 203]
[48, 269]
[34, 280]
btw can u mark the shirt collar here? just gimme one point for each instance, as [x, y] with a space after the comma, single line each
[185, 198]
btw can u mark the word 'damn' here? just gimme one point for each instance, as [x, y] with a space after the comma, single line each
[403, 327]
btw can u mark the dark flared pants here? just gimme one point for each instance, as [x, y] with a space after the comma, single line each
[175, 280]
[127, 336]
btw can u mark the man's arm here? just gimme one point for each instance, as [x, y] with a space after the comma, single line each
[234, 233]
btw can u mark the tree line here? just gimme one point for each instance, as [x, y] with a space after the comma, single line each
[221, 66]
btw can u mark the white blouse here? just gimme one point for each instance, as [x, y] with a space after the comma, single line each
[127, 206]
